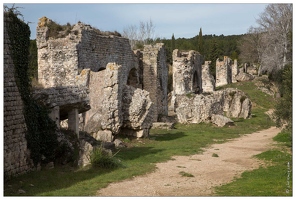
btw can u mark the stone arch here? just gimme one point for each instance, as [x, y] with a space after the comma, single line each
[195, 86]
[132, 78]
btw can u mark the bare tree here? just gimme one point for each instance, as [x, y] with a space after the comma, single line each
[131, 32]
[250, 46]
[276, 26]
[140, 35]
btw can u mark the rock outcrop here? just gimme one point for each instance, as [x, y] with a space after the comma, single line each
[200, 108]
[137, 111]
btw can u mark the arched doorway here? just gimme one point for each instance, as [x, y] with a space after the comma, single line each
[195, 87]
[132, 79]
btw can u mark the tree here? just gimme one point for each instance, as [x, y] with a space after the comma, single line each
[251, 46]
[131, 32]
[275, 24]
[283, 111]
[200, 42]
[173, 43]
[214, 55]
[139, 36]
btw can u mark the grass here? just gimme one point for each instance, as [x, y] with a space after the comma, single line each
[141, 155]
[185, 174]
[273, 180]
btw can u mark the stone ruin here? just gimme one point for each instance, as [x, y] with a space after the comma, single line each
[208, 81]
[112, 73]
[187, 73]
[216, 107]
[208, 105]
[121, 99]
[226, 71]
[93, 82]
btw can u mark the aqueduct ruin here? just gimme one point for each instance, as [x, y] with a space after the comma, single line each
[94, 81]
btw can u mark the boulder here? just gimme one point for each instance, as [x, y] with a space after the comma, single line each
[119, 144]
[242, 76]
[137, 110]
[221, 120]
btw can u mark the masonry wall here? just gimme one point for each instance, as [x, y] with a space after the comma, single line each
[155, 77]
[223, 71]
[16, 156]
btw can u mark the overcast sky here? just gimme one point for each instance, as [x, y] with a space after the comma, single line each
[182, 20]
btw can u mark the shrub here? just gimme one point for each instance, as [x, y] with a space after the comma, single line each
[102, 159]
[242, 99]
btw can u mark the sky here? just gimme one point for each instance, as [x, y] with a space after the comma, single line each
[184, 20]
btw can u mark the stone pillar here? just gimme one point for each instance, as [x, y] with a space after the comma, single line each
[156, 77]
[234, 71]
[55, 115]
[223, 72]
[208, 81]
[73, 121]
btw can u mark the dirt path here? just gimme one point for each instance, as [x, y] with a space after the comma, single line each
[234, 157]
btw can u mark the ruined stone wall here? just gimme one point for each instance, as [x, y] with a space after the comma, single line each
[16, 156]
[187, 72]
[80, 58]
[61, 59]
[223, 71]
[155, 77]
[57, 58]
[208, 81]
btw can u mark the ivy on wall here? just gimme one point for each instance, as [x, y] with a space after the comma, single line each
[41, 137]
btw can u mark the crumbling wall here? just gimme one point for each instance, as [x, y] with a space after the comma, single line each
[61, 59]
[16, 155]
[103, 62]
[223, 71]
[155, 77]
[208, 81]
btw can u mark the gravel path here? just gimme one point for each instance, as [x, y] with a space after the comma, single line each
[234, 157]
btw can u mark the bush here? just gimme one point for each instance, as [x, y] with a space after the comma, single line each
[283, 111]
[102, 159]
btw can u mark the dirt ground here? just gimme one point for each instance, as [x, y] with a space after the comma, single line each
[209, 171]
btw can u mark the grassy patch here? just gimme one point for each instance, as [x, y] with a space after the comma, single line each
[185, 174]
[285, 138]
[274, 180]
